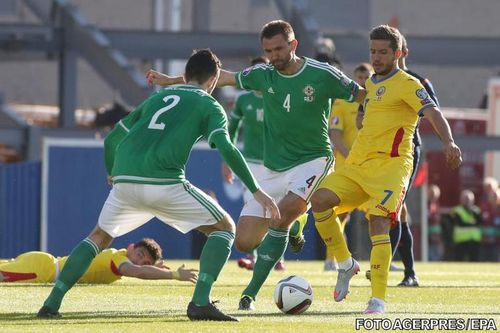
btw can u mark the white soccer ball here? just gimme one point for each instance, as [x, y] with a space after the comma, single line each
[293, 295]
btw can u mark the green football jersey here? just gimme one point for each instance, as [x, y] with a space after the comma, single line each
[297, 109]
[249, 114]
[162, 132]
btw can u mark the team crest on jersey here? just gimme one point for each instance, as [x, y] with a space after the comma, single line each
[380, 91]
[421, 93]
[309, 92]
[249, 107]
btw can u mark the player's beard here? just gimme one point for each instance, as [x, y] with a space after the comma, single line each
[386, 69]
[281, 65]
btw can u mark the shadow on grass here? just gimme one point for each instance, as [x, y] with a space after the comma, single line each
[71, 318]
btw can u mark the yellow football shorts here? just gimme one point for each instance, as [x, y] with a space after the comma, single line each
[378, 184]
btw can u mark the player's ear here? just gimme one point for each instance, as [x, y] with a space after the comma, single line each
[294, 43]
[130, 246]
[398, 53]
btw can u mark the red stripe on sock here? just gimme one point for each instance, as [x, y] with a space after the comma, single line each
[12, 277]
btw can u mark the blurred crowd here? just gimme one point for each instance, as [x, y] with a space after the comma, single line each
[470, 231]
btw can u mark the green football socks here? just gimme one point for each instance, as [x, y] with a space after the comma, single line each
[270, 251]
[213, 258]
[76, 265]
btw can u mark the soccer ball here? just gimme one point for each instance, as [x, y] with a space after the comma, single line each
[293, 295]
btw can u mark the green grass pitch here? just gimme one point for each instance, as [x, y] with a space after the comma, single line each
[448, 290]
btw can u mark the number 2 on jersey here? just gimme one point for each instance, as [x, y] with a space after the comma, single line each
[286, 103]
[160, 126]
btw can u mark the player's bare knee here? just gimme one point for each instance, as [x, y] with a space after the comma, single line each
[100, 237]
[226, 224]
[324, 199]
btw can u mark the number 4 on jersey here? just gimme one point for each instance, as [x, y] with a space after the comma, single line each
[286, 103]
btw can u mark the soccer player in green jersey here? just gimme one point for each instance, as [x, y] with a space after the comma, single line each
[248, 114]
[297, 93]
[146, 155]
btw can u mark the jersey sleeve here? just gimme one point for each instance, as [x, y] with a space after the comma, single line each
[235, 120]
[415, 95]
[430, 90]
[336, 118]
[252, 78]
[216, 122]
[341, 86]
[117, 260]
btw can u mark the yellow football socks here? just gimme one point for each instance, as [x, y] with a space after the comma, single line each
[330, 229]
[380, 260]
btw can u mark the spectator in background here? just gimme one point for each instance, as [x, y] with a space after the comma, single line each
[325, 52]
[490, 211]
[434, 220]
[466, 228]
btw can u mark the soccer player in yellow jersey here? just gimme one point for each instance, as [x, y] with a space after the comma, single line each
[379, 165]
[343, 131]
[140, 260]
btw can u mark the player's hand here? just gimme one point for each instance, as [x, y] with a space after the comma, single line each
[268, 204]
[155, 77]
[161, 264]
[453, 155]
[227, 174]
[187, 274]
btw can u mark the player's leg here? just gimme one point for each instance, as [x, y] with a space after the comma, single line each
[298, 184]
[119, 215]
[405, 250]
[387, 189]
[274, 243]
[330, 262]
[405, 247]
[185, 207]
[32, 266]
[337, 193]
[380, 260]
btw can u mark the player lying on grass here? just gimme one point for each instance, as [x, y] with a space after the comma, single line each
[141, 260]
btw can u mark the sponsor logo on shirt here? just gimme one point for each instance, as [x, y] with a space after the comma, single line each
[270, 90]
[309, 92]
[421, 93]
[302, 189]
[249, 107]
[335, 120]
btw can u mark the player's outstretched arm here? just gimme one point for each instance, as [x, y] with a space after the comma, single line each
[226, 78]
[148, 272]
[442, 128]
[164, 80]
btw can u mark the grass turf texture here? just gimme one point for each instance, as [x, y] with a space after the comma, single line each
[448, 290]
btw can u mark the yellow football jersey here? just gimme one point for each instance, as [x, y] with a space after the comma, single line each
[343, 118]
[392, 107]
[104, 267]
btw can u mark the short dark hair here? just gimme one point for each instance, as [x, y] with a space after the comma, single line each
[259, 60]
[404, 43]
[276, 27]
[385, 32]
[202, 65]
[153, 248]
[364, 67]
